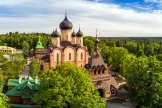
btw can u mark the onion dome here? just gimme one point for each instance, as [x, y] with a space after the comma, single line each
[73, 34]
[55, 34]
[96, 40]
[66, 24]
[79, 33]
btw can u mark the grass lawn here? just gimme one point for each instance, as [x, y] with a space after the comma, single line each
[117, 100]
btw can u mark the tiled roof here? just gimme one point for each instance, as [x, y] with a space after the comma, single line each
[18, 89]
[113, 82]
[96, 60]
[44, 57]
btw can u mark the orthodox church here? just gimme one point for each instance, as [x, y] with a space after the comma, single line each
[71, 49]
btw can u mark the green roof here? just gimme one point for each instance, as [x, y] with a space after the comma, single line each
[39, 44]
[23, 106]
[122, 91]
[18, 89]
[27, 96]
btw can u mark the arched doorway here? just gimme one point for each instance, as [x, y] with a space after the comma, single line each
[101, 92]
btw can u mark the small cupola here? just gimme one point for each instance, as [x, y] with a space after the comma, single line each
[55, 38]
[55, 33]
[79, 33]
[79, 37]
[74, 38]
[73, 34]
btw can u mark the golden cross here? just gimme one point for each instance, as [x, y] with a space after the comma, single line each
[79, 26]
[65, 11]
[96, 33]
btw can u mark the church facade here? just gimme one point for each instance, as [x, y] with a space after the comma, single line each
[69, 49]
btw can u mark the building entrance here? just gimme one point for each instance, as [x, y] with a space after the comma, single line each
[101, 92]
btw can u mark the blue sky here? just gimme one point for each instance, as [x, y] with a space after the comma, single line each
[110, 17]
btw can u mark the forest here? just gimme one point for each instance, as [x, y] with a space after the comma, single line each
[138, 59]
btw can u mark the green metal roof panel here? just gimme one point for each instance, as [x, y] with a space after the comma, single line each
[122, 91]
[29, 78]
[39, 44]
[23, 106]
[18, 89]
[27, 96]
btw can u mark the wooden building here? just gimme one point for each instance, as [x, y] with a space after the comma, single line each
[39, 52]
[21, 91]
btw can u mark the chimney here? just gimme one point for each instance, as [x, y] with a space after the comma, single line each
[36, 80]
[20, 79]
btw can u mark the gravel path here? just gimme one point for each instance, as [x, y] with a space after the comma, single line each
[25, 72]
[127, 104]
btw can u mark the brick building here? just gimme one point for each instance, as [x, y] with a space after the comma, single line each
[69, 49]
[98, 70]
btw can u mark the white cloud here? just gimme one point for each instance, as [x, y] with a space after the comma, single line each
[110, 19]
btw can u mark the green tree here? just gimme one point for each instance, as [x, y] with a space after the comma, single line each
[144, 82]
[2, 80]
[110, 44]
[140, 53]
[119, 55]
[89, 42]
[34, 68]
[25, 47]
[65, 85]
[4, 99]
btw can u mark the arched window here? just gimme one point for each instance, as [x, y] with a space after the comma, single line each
[69, 56]
[94, 72]
[81, 56]
[98, 71]
[57, 57]
[102, 71]
[63, 36]
[67, 36]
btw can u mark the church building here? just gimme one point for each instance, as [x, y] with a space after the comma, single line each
[69, 49]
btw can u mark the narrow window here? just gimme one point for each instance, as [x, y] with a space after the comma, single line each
[81, 65]
[102, 71]
[81, 55]
[27, 92]
[98, 71]
[75, 40]
[39, 55]
[57, 56]
[94, 72]
[69, 56]
[67, 36]
[63, 36]
[112, 91]
[80, 41]
[57, 42]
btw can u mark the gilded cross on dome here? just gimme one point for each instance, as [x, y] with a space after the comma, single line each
[96, 33]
